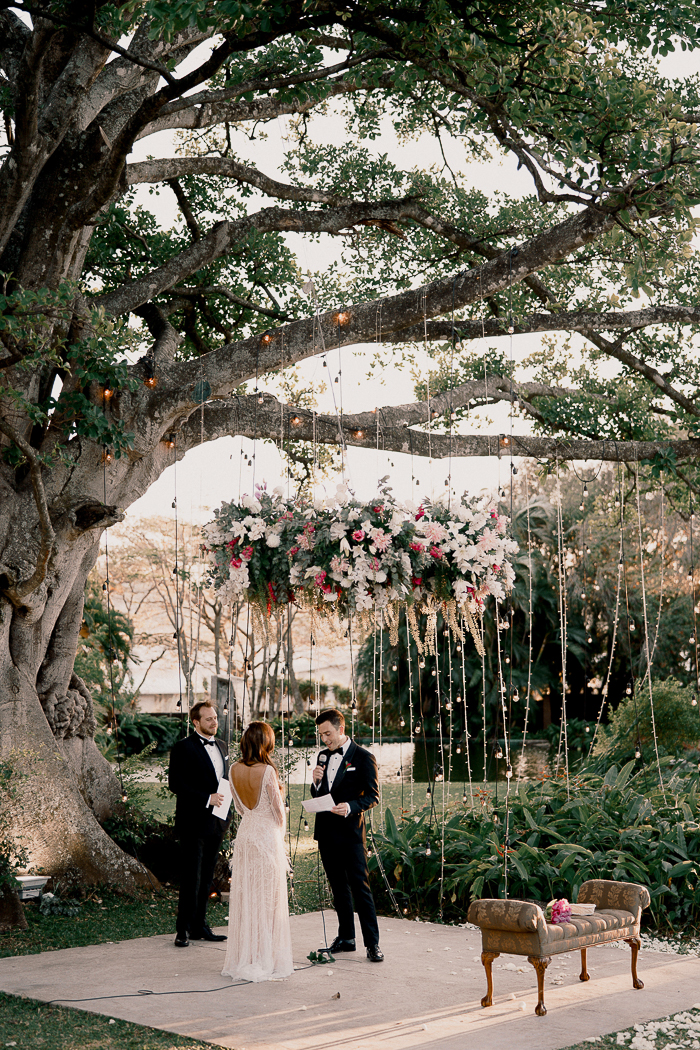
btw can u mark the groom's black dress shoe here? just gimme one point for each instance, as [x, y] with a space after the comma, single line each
[207, 935]
[374, 954]
[339, 945]
[182, 941]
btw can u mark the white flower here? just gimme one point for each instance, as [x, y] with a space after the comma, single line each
[272, 539]
[330, 597]
[337, 530]
[366, 525]
[278, 490]
[363, 599]
[345, 546]
[251, 503]
[256, 528]
[353, 514]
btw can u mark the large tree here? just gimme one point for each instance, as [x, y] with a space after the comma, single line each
[602, 247]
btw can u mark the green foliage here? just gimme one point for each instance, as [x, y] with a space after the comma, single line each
[139, 815]
[13, 856]
[101, 661]
[676, 720]
[53, 905]
[620, 826]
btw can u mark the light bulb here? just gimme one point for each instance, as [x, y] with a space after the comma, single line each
[458, 750]
[581, 506]
[637, 753]
[306, 825]
[691, 640]
[509, 772]
[421, 663]
[694, 701]
[583, 595]
[428, 851]
[585, 491]
[402, 723]
[464, 798]
[394, 667]
[588, 729]
[459, 648]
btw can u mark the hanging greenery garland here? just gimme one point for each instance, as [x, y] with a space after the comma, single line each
[344, 557]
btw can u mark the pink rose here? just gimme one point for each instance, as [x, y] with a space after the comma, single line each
[236, 562]
[358, 535]
[415, 546]
[247, 553]
[436, 552]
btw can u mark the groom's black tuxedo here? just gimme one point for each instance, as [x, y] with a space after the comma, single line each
[341, 840]
[192, 778]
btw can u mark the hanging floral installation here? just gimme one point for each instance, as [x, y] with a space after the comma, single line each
[342, 558]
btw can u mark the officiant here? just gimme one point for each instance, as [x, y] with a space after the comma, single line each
[198, 763]
[349, 773]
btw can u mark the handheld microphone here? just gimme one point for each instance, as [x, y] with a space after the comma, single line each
[322, 759]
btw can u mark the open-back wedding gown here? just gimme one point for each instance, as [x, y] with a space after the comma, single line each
[259, 939]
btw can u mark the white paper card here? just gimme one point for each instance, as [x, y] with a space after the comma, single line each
[225, 790]
[322, 804]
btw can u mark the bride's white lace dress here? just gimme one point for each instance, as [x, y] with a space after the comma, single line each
[259, 939]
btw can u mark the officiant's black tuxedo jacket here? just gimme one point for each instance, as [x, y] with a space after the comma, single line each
[356, 782]
[192, 778]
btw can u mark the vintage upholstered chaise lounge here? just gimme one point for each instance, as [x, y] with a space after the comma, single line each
[518, 928]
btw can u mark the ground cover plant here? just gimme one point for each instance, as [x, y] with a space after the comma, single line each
[623, 826]
[27, 1022]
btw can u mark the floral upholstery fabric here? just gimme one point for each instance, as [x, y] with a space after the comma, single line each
[518, 928]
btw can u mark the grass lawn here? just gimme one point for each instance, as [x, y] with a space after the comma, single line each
[29, 1023]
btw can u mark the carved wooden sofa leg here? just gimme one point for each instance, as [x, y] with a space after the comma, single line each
[487, 959]
[635, 944]
[540, 963]
[584, 975]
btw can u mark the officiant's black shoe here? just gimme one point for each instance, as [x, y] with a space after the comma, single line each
[339, 945]
[374, 954]
[182, 941]
[207, 935]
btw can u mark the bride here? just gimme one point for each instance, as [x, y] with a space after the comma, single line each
[259, 939]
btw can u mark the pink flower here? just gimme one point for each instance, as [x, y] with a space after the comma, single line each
[247, 553]
[358, 535]
[294, 550]
[416, 581]
[435, 532]
[436, 552]
[377, 510]
[236, 562]
[420, 514]
[415, 546]
[303, 541]
[496, 568]
[374, 562]
[320, 578]
[380, 540]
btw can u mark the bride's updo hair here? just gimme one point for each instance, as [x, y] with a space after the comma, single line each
[257, 744]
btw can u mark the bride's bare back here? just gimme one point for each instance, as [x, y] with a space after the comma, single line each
[247, 781]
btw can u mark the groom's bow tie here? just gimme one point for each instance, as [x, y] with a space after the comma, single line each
[207, 743]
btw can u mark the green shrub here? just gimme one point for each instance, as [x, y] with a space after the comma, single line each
[13, 856]
[677, 723]
[621, 826]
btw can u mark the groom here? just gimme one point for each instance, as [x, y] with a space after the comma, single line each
[197, 763]
[349, 773]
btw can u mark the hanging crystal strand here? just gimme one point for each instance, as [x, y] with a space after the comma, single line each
[381, 700]
[646, 633]
[442, 767]
[506, 742]
[662, 530]
[563, 734]
[521, 764]
[483, 690]
[613, 642]
[466, 726]
[410, 707]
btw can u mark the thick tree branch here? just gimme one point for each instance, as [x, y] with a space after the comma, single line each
[584, 321]
[617, 351]
[167, 169]
[19, 592]
[282, 423]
